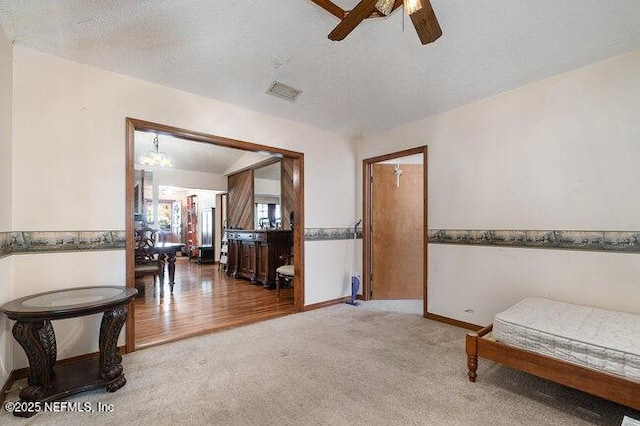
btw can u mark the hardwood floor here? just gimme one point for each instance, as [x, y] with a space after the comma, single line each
[203, 300]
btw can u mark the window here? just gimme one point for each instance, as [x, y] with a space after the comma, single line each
[149, 208]
[262, 211]
[164, 216]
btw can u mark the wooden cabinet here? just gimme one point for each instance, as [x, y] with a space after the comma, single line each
[255, 255]
[233, 247]
[247, 268]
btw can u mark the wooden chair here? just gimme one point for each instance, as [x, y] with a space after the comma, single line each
[146, 261]
[284, 273]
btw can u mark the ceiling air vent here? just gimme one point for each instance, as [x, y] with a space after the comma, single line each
[284, 91]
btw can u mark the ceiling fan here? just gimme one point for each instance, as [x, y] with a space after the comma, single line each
[420, 11]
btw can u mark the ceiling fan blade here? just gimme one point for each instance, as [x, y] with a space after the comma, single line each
[363, 10]
[426, 23]
[330, 7]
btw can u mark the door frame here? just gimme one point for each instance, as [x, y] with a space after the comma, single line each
[132, 125]
[367, 169]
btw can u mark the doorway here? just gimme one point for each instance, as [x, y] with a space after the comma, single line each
[395, 226]
[296, 160]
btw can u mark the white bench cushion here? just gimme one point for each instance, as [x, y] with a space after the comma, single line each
[286, 270]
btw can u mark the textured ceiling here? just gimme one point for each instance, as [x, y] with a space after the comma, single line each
[377, 78]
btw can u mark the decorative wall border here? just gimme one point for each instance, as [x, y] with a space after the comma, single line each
[611, 241]
[321, 234]
[59, 241]
[18, 242]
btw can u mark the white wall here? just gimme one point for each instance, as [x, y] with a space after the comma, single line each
[322, 254]
[266, 187]
[49, 271]
[6, 281]
[58, 103]
[558, 154]
[189, 179]
[69, 131]
[206, 199]
[6, 338]
[263, 199]
[6, 103]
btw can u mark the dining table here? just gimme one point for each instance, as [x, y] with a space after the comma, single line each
[167, 256]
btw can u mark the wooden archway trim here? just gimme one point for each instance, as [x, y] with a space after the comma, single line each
[132, 125]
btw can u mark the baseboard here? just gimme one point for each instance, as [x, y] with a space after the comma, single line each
[23, 373]
[430, 316]
[7, 385]
[320, 305]
[452, 321]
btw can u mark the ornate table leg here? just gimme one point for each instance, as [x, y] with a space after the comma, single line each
[162, 259]
[171, 260]
[39, 343]
[110, 359]
[48, 339]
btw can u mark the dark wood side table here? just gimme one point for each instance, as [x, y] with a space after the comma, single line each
[33, 330]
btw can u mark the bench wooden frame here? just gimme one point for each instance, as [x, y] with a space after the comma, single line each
[604, 385]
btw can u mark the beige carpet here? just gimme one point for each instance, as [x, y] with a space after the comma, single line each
[342, 365]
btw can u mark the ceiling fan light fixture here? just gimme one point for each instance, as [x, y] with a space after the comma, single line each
[412, 6]
[385, 6]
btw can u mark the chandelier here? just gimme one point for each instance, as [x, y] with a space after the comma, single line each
[155, 157]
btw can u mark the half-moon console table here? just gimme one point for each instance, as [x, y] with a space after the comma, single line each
[33, 315]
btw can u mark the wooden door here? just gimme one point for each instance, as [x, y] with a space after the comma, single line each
[397, 219]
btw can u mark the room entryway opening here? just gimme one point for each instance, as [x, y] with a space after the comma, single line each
[395, 226]
[197, 215]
